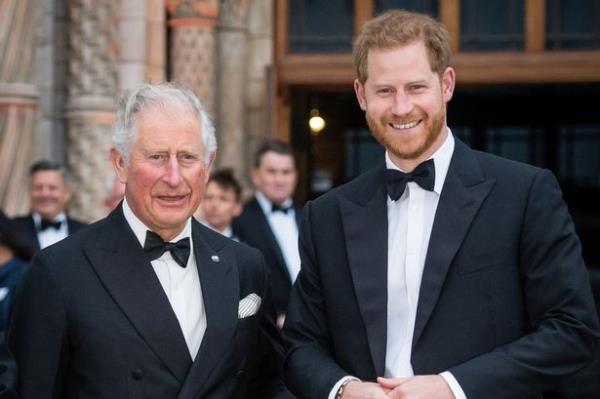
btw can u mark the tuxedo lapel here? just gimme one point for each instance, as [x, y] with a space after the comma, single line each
[127, 274]
[263, 224]
[220, 292]
[462, 195]
[33, 232]
[364, 216]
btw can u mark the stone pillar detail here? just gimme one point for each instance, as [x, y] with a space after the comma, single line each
[18, 100]
[259, 88]
[92, 91]
[192, 46]
[232, 50]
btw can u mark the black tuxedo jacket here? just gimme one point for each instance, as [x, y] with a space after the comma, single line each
[252, 228]
[91, 320]
[26, 225]
[505, 302]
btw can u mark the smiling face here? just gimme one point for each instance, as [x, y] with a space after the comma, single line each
[405, 102]
[49, 193]
[166, 174]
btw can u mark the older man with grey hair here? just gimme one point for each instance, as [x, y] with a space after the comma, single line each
[148, 303]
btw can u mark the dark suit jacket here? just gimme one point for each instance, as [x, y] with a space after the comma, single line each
[252, 228]
[8, 373]
[505, 303]
[91, 320]
[26, 225]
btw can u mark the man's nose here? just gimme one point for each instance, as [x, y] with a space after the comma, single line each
[173, 172]
[402, 104]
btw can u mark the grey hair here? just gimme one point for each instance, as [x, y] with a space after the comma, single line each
[161, 95]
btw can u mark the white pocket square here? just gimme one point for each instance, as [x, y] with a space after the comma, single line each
[249, 306]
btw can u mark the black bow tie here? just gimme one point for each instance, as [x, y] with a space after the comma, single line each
[155, 247]
[423, 175]
[50, 224]
[279, 208]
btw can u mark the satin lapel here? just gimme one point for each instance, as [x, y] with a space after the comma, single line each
[262, 223]
[220, 293]
[464, 191]
[128, 276]
[33, 232]
[364, 217]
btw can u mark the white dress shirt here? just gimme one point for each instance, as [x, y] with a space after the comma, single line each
[410, 220]
[181, 284]
[50, 235]
[285, 230]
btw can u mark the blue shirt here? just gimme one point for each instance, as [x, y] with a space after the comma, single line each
[10, 274]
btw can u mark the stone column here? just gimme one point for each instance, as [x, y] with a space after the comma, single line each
[19, 100]
[192, 57]
[90, 110]
[232, 51]
[258, 83]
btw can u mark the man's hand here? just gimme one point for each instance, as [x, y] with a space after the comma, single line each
[364, 390]
[418, 387]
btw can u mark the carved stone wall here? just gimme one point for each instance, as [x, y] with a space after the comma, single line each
[92, 92]
[232, 61]
[260, 59]
[18, 100]
[192, 46]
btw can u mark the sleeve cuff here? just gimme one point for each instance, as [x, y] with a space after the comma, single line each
[454, 385]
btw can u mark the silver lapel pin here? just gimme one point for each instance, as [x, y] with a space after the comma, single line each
[215, 258]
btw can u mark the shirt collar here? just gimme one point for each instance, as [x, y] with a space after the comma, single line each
[267, 205]
[441, 160]
[139, 228]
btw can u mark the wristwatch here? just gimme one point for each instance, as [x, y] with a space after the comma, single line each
[340, 391]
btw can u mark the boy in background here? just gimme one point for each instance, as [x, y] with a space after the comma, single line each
[222, 202]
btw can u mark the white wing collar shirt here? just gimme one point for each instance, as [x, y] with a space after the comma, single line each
[285, 230]
[410, 221]
[181, 284]
[50, 235]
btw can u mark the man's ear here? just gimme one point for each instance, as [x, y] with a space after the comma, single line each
[237, 210]
[448, 83]
[359, 90]
[119, 164]
[208, 167]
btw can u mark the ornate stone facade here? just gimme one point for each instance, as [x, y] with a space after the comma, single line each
[231, 84]
[192, 46]
[18, 100]
[92, 91]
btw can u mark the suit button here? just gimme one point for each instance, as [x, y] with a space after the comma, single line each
[239, 373]
[137, 374]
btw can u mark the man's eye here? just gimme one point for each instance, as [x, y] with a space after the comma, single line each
[156, 157]
[188, 157]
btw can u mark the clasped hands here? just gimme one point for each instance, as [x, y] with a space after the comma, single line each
[417, 387]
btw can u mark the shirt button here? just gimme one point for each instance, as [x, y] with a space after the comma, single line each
[137, 374]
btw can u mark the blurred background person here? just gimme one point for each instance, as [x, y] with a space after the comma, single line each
[14, 256]
[222, 202]
[269, 221]
[49, 195]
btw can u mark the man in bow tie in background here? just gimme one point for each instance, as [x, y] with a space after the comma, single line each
[451, 274]
[269, 222]
[148, 303]
[49, 195]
